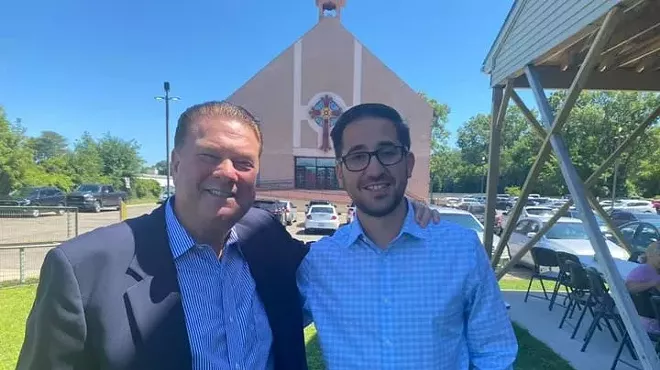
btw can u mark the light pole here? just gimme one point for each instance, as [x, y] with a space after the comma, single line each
[167, 98]
[616, 165]
[483, 178]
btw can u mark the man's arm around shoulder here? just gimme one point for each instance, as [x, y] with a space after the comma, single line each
[491, 340]
[56, 329]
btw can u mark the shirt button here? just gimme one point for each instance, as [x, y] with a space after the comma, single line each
[388, 343]
[386, 300]
[231, 319]
[237, 366]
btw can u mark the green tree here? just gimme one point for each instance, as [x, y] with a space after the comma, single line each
[48, 144]
[441, 156]
[120, 158]
[15, 155]
[161, 167]
[86, 161]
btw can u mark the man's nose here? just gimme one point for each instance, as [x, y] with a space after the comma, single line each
[374, 168]
[225, 169]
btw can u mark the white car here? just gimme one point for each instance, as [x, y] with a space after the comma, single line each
[465, 219]
[567, 235]
[321, 218]
[638, 206]
[350, 213]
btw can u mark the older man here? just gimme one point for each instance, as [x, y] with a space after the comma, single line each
[203, 282]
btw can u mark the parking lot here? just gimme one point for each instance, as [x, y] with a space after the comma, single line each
[53, 228]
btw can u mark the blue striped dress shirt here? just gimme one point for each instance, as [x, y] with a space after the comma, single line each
[226, 322]
[429, 300]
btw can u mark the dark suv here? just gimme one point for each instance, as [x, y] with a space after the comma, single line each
[45, 196]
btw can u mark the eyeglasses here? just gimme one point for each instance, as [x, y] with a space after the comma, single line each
[387, 156]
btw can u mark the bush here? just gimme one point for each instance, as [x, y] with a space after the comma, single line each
[145, 188]
[513, 190]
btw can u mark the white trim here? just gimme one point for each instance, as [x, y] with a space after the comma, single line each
[309, 152]
[357, 72]
[297, 91]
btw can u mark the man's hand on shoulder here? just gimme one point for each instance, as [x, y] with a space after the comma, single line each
[424, 214]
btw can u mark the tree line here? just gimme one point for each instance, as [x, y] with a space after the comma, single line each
[47, 160]
[598, 123]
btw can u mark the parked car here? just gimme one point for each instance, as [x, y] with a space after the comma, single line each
[319, 202]
[275, 207]
[350, 213]
[164, 195]
[321, 218]
[290, 212]
[567, 235]
[639, 234]
[465, 219]
[95, 197]
[47, 196]
[620, 217]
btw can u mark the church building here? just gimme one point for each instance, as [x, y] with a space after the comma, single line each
[299, 95]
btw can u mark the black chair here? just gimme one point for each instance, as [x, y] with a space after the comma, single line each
[543, 257]
[604, 308]
[578, 297]
[564, 275]
[647, 306]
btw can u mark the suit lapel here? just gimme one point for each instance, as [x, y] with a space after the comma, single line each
[154, 303]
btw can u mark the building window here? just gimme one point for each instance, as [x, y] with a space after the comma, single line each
[316, 173]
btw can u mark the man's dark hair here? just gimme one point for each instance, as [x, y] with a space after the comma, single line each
[369, 110]
[215, 109]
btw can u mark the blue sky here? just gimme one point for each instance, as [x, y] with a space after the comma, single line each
[77, 65]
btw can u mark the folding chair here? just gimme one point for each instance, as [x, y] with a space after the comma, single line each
[578, 284]
[642, 303]
[543, 257]
[563, 278]
[604, 308]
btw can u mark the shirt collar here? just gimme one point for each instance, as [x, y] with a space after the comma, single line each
[410, 226]
[180, 239]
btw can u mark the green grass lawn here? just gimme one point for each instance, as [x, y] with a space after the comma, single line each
[147, 200]
[17, 301]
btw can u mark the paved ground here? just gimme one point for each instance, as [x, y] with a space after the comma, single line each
[53, 228]
[50, 228]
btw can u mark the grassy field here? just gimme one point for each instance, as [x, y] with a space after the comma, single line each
[17, 301]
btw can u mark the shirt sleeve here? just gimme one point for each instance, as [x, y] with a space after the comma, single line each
[492, 344]
[642, 274]
[304, 288]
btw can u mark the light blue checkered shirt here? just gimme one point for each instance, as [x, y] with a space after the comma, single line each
[227, 325]
[429, 300]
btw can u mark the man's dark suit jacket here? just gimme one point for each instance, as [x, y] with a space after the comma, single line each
[110, 299]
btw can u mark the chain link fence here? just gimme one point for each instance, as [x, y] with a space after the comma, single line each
[27, 234]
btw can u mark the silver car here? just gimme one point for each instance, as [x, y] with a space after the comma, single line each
[290, 212]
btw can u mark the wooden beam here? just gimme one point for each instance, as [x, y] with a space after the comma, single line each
[558, 121]
[618, 79]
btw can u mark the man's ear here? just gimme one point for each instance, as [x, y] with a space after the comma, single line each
[339, 172]
[410, 163]
[174, 164]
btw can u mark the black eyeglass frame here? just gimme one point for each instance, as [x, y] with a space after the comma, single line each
[374, 153]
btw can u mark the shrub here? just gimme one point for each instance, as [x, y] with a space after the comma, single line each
[145, 188]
